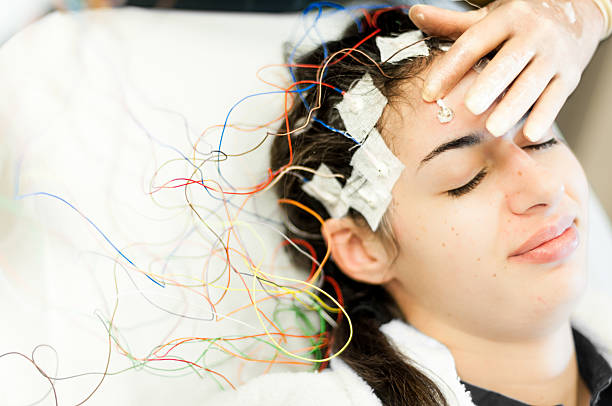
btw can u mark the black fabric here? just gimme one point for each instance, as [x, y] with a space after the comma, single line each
[592, 366]
[268, 6]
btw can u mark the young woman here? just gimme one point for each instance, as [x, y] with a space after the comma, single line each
[461, 292]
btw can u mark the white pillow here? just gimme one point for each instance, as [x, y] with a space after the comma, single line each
[93, 104]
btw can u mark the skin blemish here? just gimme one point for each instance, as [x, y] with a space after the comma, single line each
[444, 244]
[495, 275]
[478, 259]
[519, 173]
[452, 228]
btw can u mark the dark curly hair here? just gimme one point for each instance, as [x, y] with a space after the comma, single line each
[390, 374]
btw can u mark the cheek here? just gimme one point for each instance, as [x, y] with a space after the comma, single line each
[446, 235]
[577, 189]
[447, 258]
[577, 185]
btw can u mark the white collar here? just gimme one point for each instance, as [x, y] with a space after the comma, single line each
[431, 357]
[427, 354]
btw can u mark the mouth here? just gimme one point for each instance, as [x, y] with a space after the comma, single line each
[553, 242]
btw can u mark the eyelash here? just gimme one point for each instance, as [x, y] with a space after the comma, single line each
[478, 178]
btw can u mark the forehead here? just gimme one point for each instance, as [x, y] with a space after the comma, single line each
[412, 124]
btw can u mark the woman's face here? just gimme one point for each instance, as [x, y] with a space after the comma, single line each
[454, 263]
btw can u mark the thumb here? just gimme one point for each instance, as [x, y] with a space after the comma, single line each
[444, 23]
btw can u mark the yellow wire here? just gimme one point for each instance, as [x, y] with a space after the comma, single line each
[318, 271]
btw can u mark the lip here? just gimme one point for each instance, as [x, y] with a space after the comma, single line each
[545, 234]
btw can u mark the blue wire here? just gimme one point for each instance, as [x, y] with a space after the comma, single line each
[230, 112]
[329, 127]
[90, 222]
[317, 5]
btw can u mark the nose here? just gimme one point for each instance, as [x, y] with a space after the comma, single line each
[533, 187]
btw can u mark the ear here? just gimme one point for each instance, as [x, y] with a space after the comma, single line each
[357, 251]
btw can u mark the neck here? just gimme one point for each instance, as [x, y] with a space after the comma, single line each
[535, 370]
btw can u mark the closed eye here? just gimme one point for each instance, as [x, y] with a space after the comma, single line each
[546, 144]
[480, 176]
[468, 186]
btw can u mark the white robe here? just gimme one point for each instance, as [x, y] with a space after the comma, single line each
[339, 385]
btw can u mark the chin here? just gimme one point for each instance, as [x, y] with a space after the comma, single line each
[561, 287]
[549, 293]
[570, 276]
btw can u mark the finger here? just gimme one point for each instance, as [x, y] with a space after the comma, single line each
[547, 107]
[499, 73]
[523, 93]
[444, 23]
[473, 44]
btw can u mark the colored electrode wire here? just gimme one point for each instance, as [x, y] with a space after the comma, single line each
[228, 266]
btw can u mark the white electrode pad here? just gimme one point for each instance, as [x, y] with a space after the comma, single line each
[375, 163]
[361, 108]
[368, 190]
[375, 168]
[388, 46]
[327, 189]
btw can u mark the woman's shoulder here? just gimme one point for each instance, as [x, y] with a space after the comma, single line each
[338, 386]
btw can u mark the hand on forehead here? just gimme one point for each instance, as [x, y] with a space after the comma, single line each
[413, 128]
[542, 49]
[416, 121]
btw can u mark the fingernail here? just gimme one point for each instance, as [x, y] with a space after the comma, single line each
[496, 126]
[533, 134]
[477, 104]
[416, 13]
[431, 90]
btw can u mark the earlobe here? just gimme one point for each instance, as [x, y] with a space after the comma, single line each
[357, 251]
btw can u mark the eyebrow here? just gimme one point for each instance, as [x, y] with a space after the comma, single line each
[461, 142]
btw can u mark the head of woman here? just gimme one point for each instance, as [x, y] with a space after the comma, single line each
[443, 258]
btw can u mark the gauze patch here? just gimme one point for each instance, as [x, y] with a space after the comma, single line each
[390, 45]
[368, 190]
[375, 168]
[326, 188]
[376, 162]
[380, 169]
[361, 107]
[370, 201]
